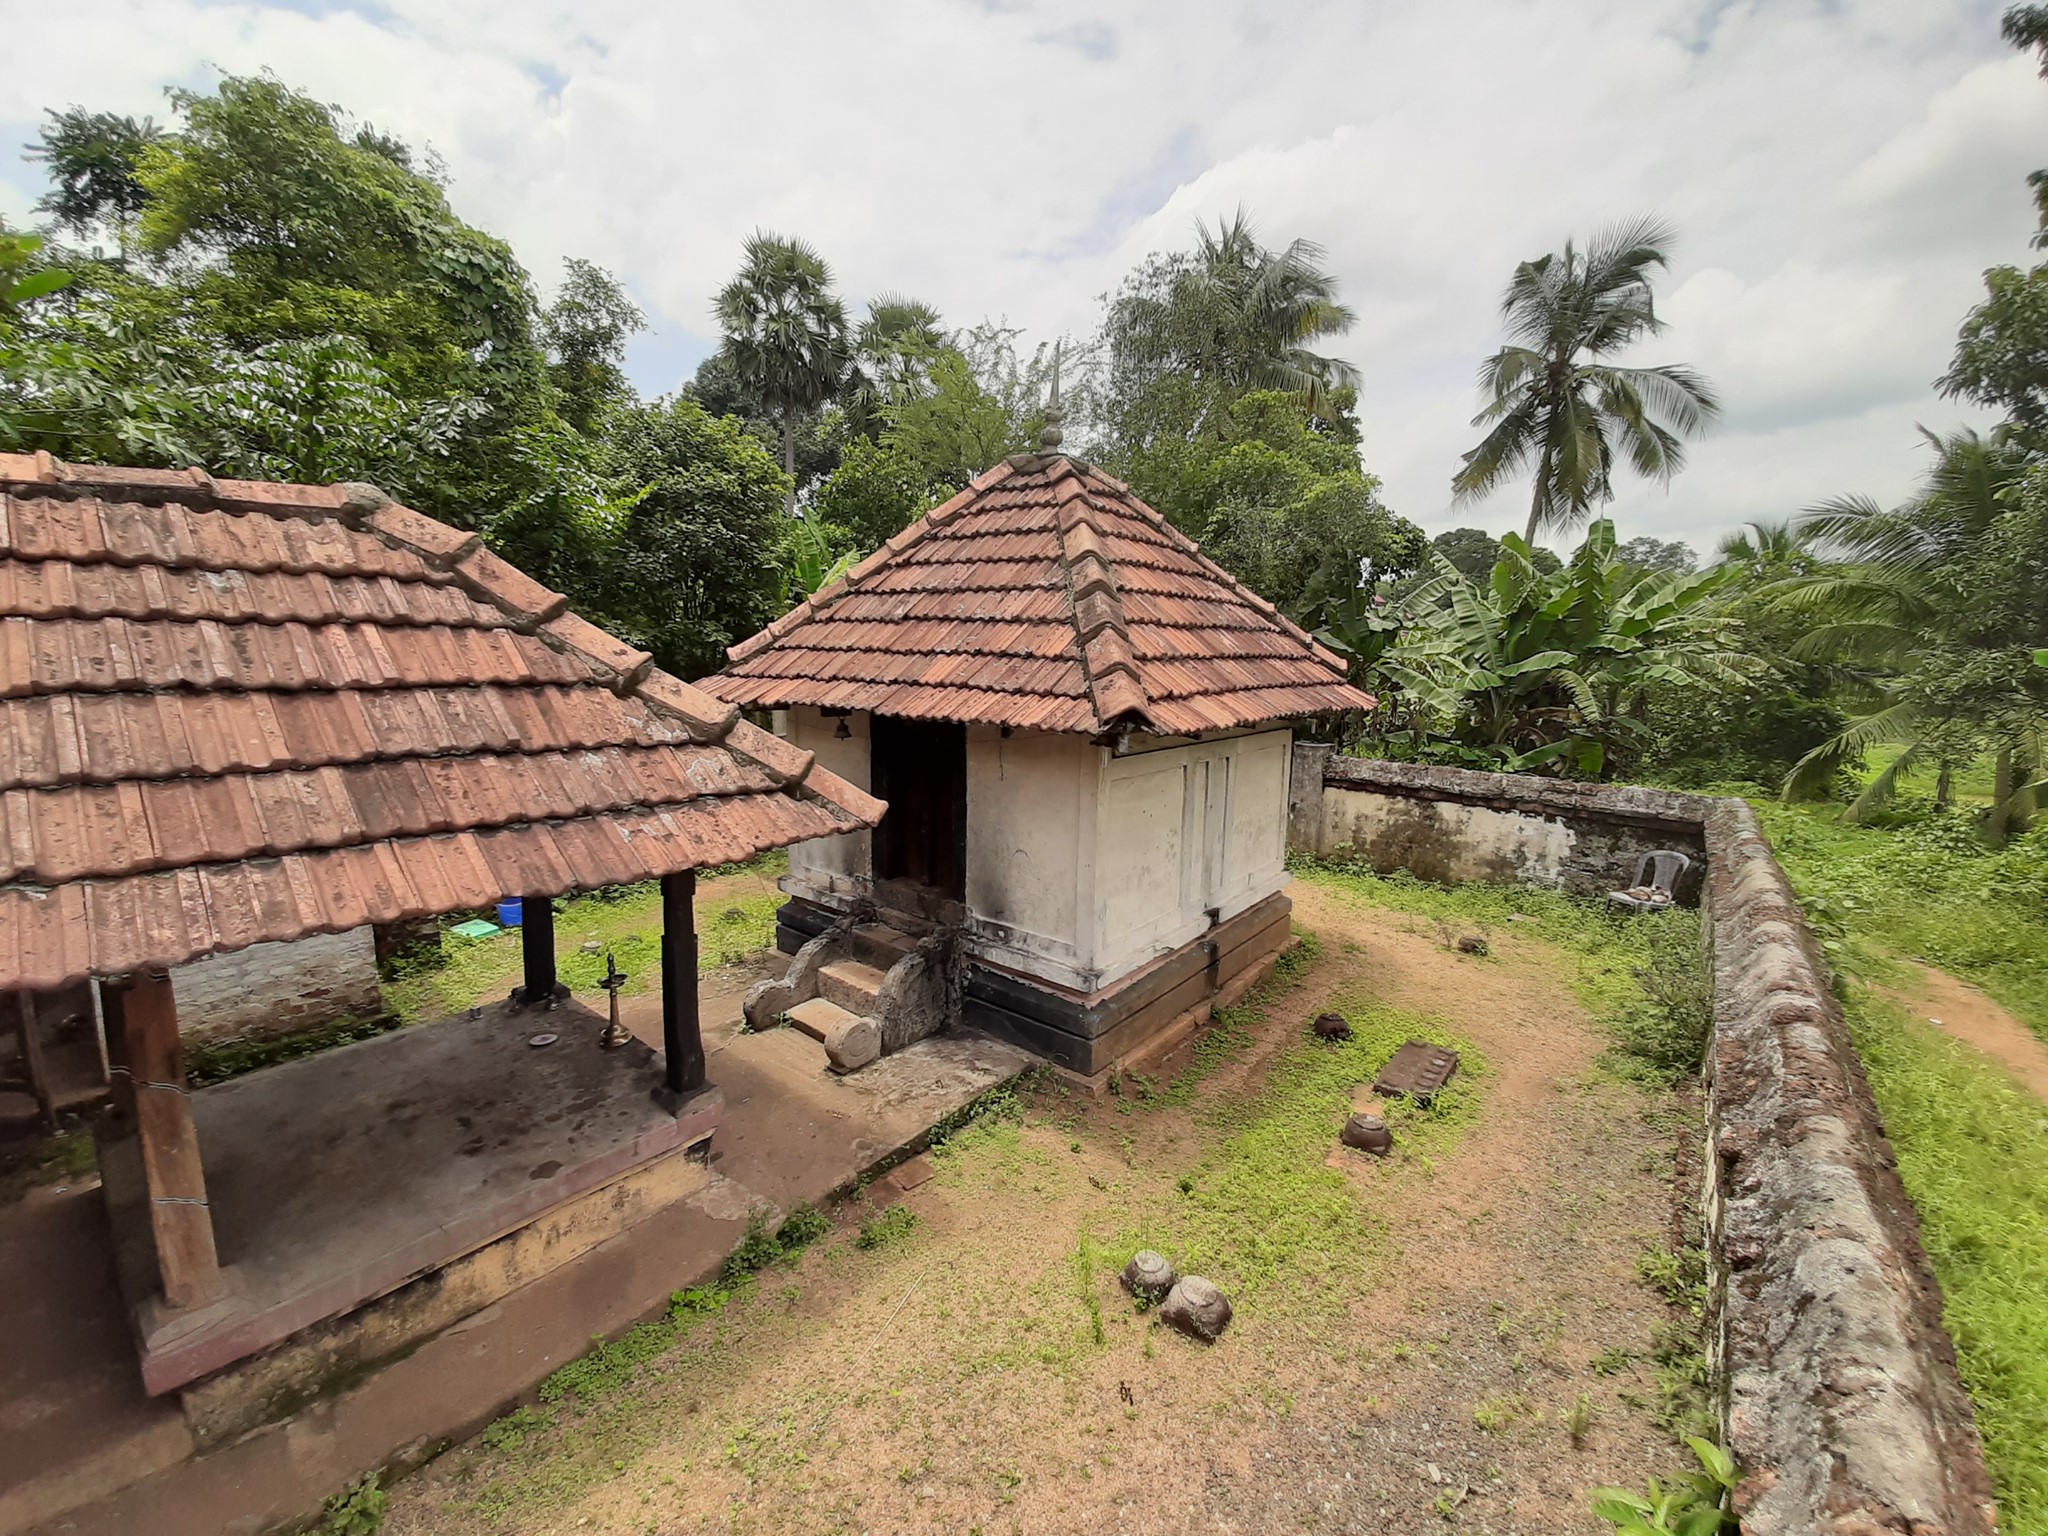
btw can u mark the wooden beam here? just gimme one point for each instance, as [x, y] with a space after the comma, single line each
[537, 951]
[682, 1038]
[178, 1212]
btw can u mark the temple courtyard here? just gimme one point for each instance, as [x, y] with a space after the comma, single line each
[1467, 1336]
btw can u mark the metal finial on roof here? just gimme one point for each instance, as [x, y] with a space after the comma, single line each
[1050, 438]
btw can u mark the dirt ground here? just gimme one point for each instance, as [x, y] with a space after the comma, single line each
[1959, 1009]
[986, 1374]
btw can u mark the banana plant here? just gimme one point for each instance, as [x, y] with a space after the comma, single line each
[1553, 670]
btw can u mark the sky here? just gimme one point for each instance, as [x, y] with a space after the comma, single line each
[1840, 174]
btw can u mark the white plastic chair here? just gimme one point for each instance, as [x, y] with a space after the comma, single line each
[1657, 874]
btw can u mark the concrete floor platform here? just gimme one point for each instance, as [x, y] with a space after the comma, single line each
[84, 1451]
[337, 1178]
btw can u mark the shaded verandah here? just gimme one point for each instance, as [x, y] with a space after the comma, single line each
[234, 713]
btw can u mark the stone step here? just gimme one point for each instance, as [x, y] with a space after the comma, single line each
[851, 985]
[880, 945]
[851, 1040]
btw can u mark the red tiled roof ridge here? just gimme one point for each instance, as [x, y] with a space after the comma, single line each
[960, 625]
[1100, 625]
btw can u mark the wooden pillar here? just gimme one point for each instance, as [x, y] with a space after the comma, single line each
[120, 1081]
[682, 1040]
[28, 1029]
[537, 949]
[178, 1212]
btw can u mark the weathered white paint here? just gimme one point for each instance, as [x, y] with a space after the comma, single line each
[1031, 850]
[825, 868]
[1083, 863]
[1190, 835]
[1446, 840]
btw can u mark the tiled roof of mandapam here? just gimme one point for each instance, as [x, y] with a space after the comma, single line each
[1045, 596]
[235, 711]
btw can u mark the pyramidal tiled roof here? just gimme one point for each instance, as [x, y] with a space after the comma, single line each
[1046, 596]
[234, 711]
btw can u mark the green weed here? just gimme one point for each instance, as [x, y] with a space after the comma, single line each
[889, 1228]
[357, 1511]
[219, 1060]
[1693, 1506]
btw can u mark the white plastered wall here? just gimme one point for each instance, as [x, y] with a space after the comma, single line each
[1082, 863]
[1031, 831]
[1189, 835]
[830, 869]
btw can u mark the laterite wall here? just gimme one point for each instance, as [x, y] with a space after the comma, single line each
[1842, 1402]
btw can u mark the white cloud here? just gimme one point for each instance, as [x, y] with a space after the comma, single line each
[1839, 172]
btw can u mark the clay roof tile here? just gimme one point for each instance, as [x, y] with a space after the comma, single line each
[233, 712]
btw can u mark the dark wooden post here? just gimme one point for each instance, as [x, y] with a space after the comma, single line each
[178, 1212]
[120, 1082]
[28, 1027]
[682, 1040]
[537, 949]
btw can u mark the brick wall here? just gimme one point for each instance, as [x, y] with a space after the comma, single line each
[270, 989]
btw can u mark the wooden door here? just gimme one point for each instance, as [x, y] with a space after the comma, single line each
[920, 768]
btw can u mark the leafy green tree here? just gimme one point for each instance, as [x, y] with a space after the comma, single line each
[2001, 357]
[878, 490]
[92, 159]
[1225, 319]
[984, 402]
[1653, 554]
[2026, 27]
[813, 554]
[1555, 405]
[1472, 550]
[1558, 671]
[585, 332]
[1938, 605]
[694, 569]
[786, 338]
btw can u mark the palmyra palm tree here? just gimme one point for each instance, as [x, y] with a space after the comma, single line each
[1554, 402]
[893, 352]
[785, 333]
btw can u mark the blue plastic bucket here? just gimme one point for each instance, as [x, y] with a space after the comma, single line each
[509, 911]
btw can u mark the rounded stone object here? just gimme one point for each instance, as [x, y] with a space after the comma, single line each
[1368, 1133]
[1149, 1275]
[1197, 1308]
[1332, 1026]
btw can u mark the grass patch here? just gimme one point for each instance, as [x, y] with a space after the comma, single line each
[733, 922]
[63, 1157]
[1923, 884]
[1642, 974]
[1973, 1151]
[218, 1060]
[1260, 1212]
[886, 1229]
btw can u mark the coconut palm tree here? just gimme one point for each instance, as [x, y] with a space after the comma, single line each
[1554, 402]
[1932, 600]
[785, 334]
[1231, 316]
[1262, 309]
